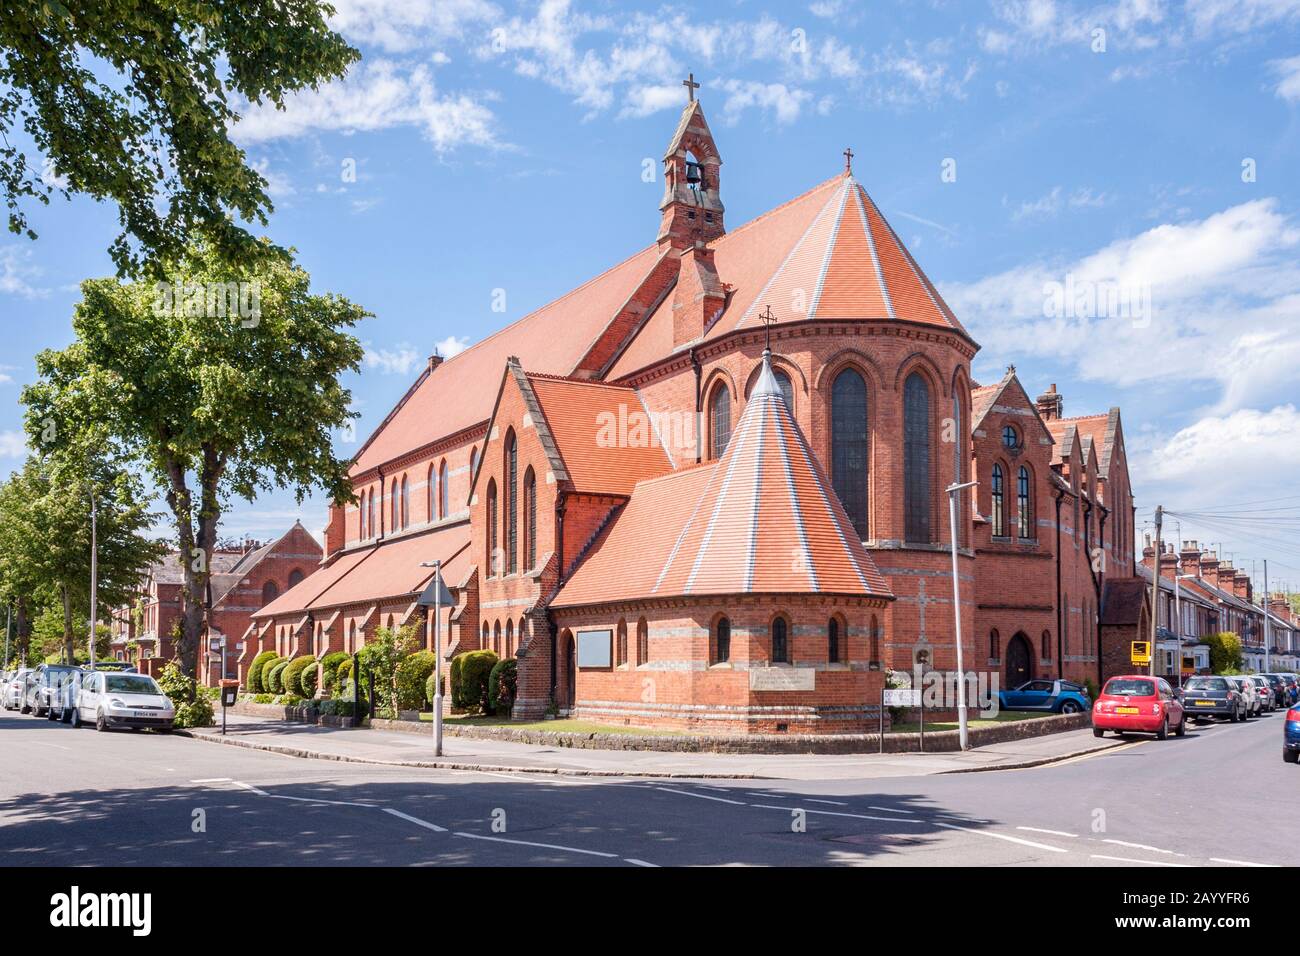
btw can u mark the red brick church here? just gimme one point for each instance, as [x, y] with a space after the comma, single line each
[668, 526]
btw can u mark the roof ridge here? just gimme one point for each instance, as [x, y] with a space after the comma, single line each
[570, 380]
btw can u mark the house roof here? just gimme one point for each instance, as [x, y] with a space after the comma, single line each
[761, 519]
[1102, 429]
[828, 254]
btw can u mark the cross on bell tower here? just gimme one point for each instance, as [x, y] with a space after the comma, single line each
[768, 320]
[691, 207]
[848, 161]
[691, 87]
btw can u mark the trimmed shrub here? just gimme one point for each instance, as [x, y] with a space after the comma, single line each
[428, 688]
[475, 669]
[344, 673]
[289, 676]
[274, 673]
[255, 685]
[329, 666]
[457, 698]
[502, 685]
[413, 673]
[308, 678]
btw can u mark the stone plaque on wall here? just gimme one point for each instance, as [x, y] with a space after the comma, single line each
[782, 678]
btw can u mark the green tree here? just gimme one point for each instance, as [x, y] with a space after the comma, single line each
[382, 656]
[1225, 652]
[131, 101]
[211, 404]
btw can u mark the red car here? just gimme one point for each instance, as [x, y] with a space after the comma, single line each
[1139, 703]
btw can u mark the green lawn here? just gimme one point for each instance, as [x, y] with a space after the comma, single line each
[1003, 717]
[551, 726]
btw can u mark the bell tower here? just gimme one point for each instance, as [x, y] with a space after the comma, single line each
[692, 210]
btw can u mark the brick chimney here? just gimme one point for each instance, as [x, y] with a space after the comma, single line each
[1169, 562]
[1226, 573]
[1241, 586]
[1050, 404]
[1280, 607]
[1210, 567]
[434, 361]
[335, 532]
[699, 296]
[1148, 553]
[1191, 557]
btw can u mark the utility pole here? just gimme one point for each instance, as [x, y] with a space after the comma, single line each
[1155, 591]
[1267, 630]
[94, 571]
[953, 491]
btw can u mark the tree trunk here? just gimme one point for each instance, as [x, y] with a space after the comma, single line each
[24, 631]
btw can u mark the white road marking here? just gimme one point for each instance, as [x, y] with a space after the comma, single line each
[1216, 859]
[833, 803]
[703, 796]
[890, 810]
[544, 846]
[834, 813]
[628, 859]
[249, 786]
[1052, 832]
[1003, 836]
[1140, 846]
[416, 820]
[211, 780]
[1126, 859]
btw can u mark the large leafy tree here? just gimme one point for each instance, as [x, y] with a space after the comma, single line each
[130, 101]
[212, 403]
[46, 537]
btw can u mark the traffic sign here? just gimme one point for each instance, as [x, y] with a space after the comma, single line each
[1141, 653]
[902, 697]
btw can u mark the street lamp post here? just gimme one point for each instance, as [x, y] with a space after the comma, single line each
[94, 572]
[953, 491]
[433, 597]
[1178, 628]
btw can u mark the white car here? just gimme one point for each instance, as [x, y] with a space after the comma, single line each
[1263, 690]
[113, 699]
[11, 693]
[1249, 693]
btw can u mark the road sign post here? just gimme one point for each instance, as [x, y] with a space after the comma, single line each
[434, 596]
[901, 697]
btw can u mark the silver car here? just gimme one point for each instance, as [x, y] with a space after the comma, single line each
[113, 699]
[11, 694]
[1263, 690]
[1249, 693]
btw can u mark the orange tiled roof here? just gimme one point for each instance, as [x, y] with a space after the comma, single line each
[762, 519]
[598, 430]
[1096, 428]
[828, 254]
[301, 595]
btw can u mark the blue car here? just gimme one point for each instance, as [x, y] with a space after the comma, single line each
[1053, 696]
[1291, 736]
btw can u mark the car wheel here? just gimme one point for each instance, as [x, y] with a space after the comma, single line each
[1235, 716]
[1163, 732]
[101, 723]
[1070, 707]
[1291, 756]
[76, 717]
[1098, 732]
[24, 709]
[1182, 727]
[66, 715]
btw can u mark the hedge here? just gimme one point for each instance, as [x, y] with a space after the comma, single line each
[274, 675]
[308, 678]
[428, 688]
[329, 666]
[344, 672]
[503, 685]
[469, 682]
[412, 674]
[289, 676]
[255, 671]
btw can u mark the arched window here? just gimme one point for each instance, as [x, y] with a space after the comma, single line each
[406, 502]
[722, 641]
[787, 388]
[496, 638]
[492, 527]
[875, 642]
[1024, 505]
[370, 514]
[512, 503]
[849, 446]
[780, 641]
[295, 578]
[995, 644]
[620, 644]
[916, 459]
[642, 641]
[487, 636]
[444, 491]
[431, 494]
[530, 519]
[719, 421]
[1010, 439]
[1047, 645]
[269, 593]
[361, 517]
[833, 641]
[473, 461]
[999, 503]
[510, 639]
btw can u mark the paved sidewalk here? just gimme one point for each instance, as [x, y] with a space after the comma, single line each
[398, 749]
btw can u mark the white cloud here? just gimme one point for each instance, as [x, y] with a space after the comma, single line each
[451, 346]
[403, 25]
[378, 95]
[1049, 205]
[278, 185]
[1240, 16]
[17, 274]
[400, 360]
[1288, 73]
[13, 445]
[775, 99]
[1029, 26]
[1210, 303]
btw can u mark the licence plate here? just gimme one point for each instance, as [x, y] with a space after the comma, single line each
[142, 713]
[1204, 703]
[1126, 710]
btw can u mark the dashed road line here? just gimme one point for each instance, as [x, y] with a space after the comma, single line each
[416, 820]
[544, 846]
[703, 796]
[1062, 833]
[1219, 859]
[836, 813]
[1128, 859]
[1003, 836]
[1140, 846]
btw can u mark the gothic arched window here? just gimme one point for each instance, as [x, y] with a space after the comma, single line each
[999, 503]
[444, 492]
[269, 593]
[916, 459]
[295, 578]
[780, 641]
[722, 641]
[512, 504]
[787, 388]
[995, 643]
[492, 527]
[1047, 645]
[1024, 505]
[406, 502]
[530, 519]
[833, 641]
[719, 421]
[642, 641]
[370, 514]
[849, 446]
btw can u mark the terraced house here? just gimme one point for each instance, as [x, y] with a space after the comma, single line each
[706, 489]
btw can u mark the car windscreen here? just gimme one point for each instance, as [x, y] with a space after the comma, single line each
[1210, 684]
[130, 684]
[1130, 687]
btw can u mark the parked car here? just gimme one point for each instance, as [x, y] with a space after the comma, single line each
[11, 694]
[1291, 736]
[1292, 687]
[1056, 696]
[1139, 703]
[1206, 696]
[42, 683]
[1264, 691]
[117, 699]
[1247, 688]
[1277, 684]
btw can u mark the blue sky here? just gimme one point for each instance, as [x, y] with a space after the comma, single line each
[1139, 146]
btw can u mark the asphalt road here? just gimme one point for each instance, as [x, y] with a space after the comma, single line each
[1220, 796]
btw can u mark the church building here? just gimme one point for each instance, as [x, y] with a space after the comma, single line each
[706, 490]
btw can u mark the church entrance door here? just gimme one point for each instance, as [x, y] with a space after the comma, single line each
[1020, 665]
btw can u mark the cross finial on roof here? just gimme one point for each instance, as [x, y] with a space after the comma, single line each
[848, 160]
[691, 86]
[767, 318]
